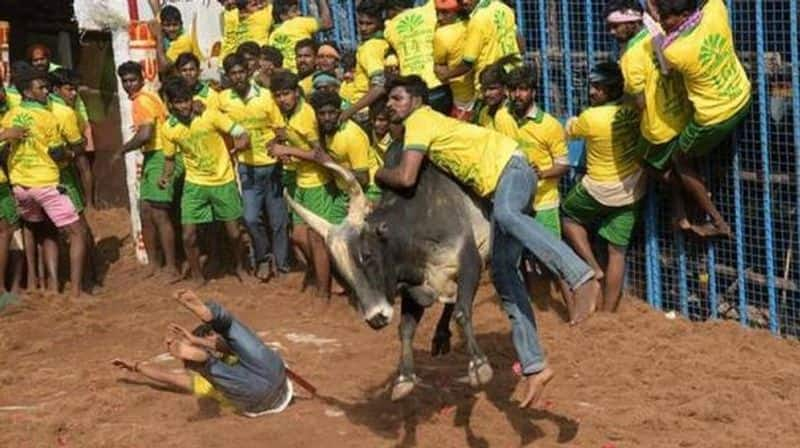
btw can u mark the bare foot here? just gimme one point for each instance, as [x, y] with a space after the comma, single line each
[585, 300]
[681, 224]
[534, 387]
[192, 302]
[711, 230]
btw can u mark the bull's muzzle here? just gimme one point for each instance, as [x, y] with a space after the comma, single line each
[379, 316]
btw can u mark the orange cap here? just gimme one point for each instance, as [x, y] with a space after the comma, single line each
[447, 5]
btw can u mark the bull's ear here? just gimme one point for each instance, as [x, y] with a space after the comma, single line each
[382, 230]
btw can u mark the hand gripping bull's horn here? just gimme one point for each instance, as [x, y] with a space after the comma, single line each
[358, 200]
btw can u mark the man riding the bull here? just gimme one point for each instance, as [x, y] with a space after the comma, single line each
[493, 167]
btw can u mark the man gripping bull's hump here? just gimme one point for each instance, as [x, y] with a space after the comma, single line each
[493, 167]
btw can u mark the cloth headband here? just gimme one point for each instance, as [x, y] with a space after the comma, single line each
[327, 50]
[624, 16]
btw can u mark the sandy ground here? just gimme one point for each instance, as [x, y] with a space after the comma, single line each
[625, 380]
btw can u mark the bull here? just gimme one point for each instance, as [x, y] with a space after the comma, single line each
[428, 243]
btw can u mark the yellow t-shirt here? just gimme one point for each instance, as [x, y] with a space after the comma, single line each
[410, 33]
[13, 97]
[348, 91]
[369, 63]
[307, 85]
[542, 139]
[149, 109]
[611, 132]
[206, 95]
[474, 155]
[448, 48]
[349, 147]
[230, 32]
[491, 34]
[204, 152]
[288, 33]
[185, 43]
[667, 109]
[259, 115]
[29, 161]
[301, 129]
[202, 388]
[483, 116]
[377, 153]
[714, 77]
[68, 121]
[256, 26]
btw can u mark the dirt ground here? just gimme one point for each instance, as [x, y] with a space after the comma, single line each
[635, 379]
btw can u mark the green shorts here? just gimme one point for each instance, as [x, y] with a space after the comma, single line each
[8, 205]
[318, 200]
[289, 180]
[373, 193]
[202, 204]
[68, 178]
[614, 224]
[339, 207]
[550, 219]
[152, 169]
[694, 140]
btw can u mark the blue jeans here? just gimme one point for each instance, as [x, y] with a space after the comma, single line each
[262, 191]
[513, 230]
[257, 381]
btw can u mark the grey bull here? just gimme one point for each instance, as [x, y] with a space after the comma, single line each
[428, 243]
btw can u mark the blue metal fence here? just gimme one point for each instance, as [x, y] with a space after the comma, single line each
[753, 278]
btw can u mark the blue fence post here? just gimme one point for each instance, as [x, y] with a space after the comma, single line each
[544, 52]
[683, 285]
[711, 262]
[652, 256]
[763, 131]
[589, 34]
[566, 54]
[795, 54]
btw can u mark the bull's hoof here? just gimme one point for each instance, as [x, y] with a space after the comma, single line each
[403, 386]
[479, 372]
[440, 345]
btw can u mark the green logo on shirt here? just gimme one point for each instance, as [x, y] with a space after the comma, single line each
[22, 120]
[505, 35]
[408, 25]
[719, 62]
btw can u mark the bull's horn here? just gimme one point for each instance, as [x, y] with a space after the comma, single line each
[317, 223]
[358, 200]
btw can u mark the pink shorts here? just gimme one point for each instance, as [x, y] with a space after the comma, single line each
[33, 203]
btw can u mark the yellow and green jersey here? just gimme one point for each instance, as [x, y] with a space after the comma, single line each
[29, 161]
[230, 32]
[369, 64]
[184, 43]
[474, 155]
[411, 33]
[705, 56]
[255, 27]
[302, 132]
[206, 95]
[667, 108]
[205, 155]
[491, 34]
[260, 117]
[288, 33]
[611, 132]
[349, 147]
[541, 137]
[69, 124]
[448, 49]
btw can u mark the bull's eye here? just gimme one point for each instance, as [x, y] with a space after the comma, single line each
[364, 257]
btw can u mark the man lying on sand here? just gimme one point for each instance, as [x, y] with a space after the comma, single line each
[225, 361]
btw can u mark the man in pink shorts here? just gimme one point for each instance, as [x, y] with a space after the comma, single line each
[34, 173]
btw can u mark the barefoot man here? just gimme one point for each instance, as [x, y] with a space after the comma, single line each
[492, 166]
[225, 361]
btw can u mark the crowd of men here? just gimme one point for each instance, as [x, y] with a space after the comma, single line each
[443, 82]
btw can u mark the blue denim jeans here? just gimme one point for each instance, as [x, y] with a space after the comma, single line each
[262, 191]
[514, 230]
[257, 381]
